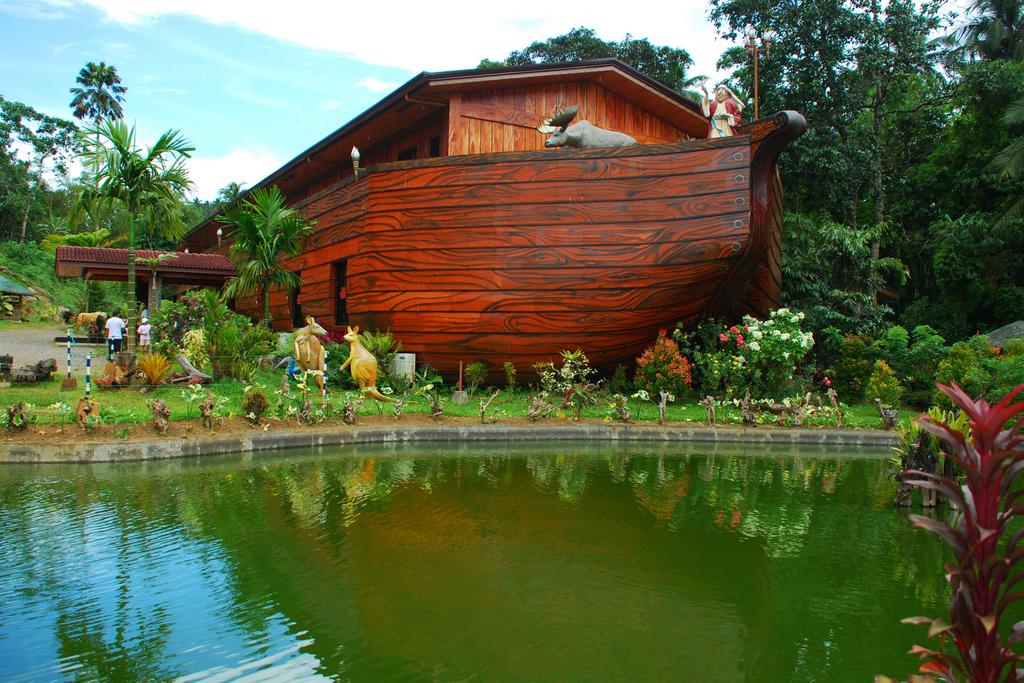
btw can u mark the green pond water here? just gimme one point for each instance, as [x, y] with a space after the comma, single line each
[530, 562]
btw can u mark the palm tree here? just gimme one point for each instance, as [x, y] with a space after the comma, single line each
[264, 229]
[995, 30]
[149, 183]
[1010, 160]
[229, 194]
[101, 94]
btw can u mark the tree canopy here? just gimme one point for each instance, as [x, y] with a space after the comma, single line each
[667, 65]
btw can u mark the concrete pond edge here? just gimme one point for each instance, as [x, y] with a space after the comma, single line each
[194, 447]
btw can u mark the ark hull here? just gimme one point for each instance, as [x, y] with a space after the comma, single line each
[514, 256]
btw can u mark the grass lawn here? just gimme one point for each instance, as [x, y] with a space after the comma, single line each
[130, 405]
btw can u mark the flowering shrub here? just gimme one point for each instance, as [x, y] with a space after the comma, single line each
[773, 349]
[661, 366]
[883, 384]
[173, 320]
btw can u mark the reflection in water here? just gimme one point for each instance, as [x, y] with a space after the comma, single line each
[553, 563]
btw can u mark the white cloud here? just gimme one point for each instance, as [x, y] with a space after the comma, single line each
[37, 9]
[376, 85]
[246, 166]
[429, 36]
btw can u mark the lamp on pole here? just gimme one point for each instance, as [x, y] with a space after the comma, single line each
[755, 46]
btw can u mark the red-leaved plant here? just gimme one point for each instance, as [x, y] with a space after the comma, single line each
[985, 573]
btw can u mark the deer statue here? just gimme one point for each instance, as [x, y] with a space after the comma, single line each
[309, 353]
[364, 366]
[582, 134]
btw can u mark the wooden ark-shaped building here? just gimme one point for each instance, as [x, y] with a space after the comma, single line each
[467, 239]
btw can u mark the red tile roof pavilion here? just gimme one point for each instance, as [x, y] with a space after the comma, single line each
[99, 263]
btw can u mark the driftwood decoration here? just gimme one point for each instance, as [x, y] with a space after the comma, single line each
[833, 397]
[161, 415]
[17, 421]
[350, 411]
[436, 404]
[749, 418]
[538, 408]
[206, 410]
[709, 406]
[890, 416]
[87, 413]
[662, 405]
[484, 419]
[195, 376]
[36, 372]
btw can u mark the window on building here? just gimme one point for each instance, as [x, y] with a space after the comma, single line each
[407, 154]
[298, 319]
[435, 146]
[340, 293]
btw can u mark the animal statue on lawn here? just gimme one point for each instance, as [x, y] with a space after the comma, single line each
[309, 352]
[95, 319]
[582, 134]
[364, 366]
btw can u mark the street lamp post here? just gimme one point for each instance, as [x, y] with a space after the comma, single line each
[756, 46]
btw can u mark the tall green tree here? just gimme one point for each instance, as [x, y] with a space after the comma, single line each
[148, 182]
[264, 230]
[50, 140]
[229, 194]
[667, 65]
[994, 29]
[100, 95]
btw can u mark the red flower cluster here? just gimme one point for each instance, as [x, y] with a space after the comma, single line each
[662, 367]
[733, 334]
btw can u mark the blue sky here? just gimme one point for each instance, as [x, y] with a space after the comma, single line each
[253, 84]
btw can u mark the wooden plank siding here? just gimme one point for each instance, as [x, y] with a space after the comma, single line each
[515, 254]
[516, 259]
[505, 119]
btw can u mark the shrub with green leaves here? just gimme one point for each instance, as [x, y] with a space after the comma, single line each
[774, 349]
[510, 375]
[967, 365]
[254, 403]
[194, 347]
[883, 384]
[661, 367]
[475, 374]
[854, 361]
[575, 370]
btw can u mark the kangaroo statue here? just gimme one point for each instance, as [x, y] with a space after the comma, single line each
[364, 366]
[309, 353]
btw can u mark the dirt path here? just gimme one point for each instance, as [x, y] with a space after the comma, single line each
[31, 343]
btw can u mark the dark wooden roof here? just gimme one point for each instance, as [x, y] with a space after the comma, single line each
[112, 264]
[424, 94]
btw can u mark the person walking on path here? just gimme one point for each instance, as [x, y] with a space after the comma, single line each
[144, 331]
[115, 334]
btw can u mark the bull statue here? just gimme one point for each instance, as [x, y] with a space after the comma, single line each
[582, 134]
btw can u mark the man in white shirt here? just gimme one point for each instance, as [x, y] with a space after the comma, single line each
[115, 334]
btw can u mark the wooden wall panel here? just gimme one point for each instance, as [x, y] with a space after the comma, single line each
[505, 119]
